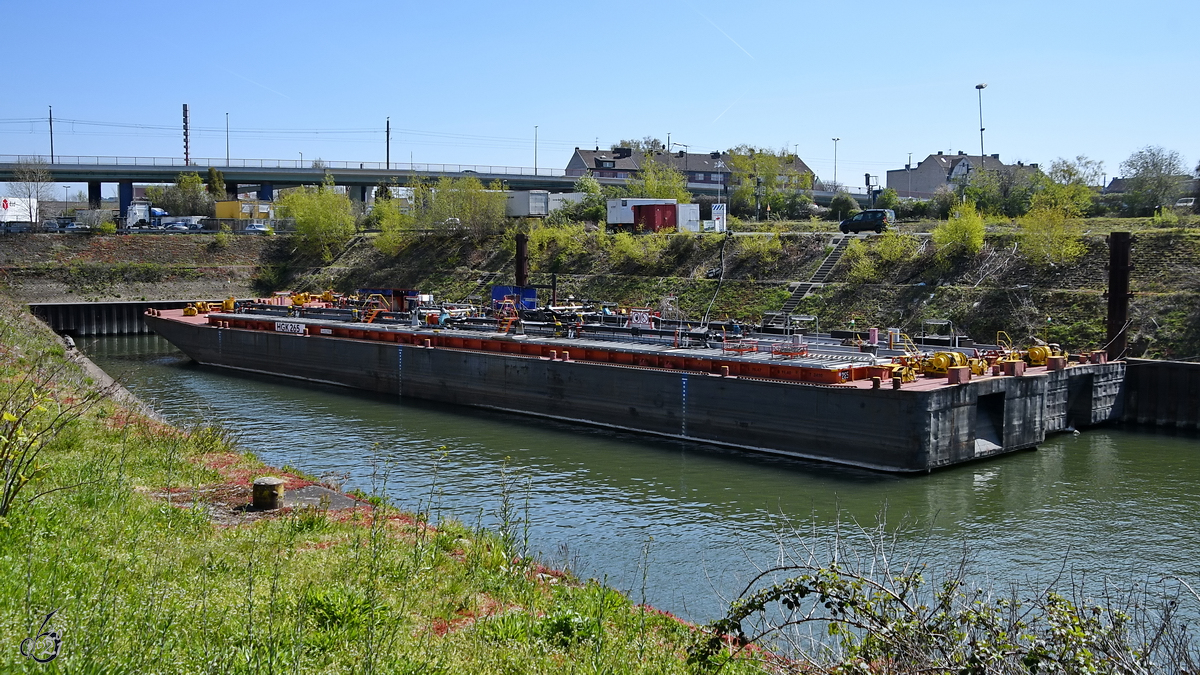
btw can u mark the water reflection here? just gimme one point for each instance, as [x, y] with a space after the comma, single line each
[1112, 501]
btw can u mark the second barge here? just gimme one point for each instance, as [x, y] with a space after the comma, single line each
[821, 406]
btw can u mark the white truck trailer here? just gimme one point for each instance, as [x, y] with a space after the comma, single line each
[528, 204]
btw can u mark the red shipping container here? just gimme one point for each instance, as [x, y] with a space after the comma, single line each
[654, 217]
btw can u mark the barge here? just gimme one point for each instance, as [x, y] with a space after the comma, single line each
[786, 395]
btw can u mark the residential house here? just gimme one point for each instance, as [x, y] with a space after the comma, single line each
[703, 170]
[1188, 186]
[923, 180]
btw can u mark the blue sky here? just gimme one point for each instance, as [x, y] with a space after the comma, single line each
[466, 82]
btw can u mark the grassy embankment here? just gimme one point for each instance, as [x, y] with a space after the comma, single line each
[74, 268]
[126, 545]
[998, 289]
[1001, 288]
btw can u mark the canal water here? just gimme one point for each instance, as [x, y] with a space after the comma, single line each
[685, 525]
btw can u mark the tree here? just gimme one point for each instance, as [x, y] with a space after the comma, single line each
[215, 183]
[1050, 236]
[888, 199]
[32, 184]
[842, 206]
[459, 202]
[1152, 179]
[773, 176]
[1083, 170]
[660, 181]
[1007, 191]
[591, 208]
[961, 235]
[187, 197]
[395, 224]
[324, 218]
[1067, 187]
[383, 191]
[943, 202]
[647, 145]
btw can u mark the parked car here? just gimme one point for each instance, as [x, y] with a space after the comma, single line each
[1186, 203]
[256, 228]
[77, 227]
[876, 220]
[177, 227]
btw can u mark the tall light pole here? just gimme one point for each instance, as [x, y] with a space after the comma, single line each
[301, 159]
[226, 139]
[387, 157]
[979, 88]
[535, 149]
[51, 134]
[908, 170]
[835, 142]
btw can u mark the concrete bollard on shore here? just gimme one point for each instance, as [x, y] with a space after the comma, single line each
[268, 492]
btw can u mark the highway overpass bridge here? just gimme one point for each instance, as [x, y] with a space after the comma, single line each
[264, 176]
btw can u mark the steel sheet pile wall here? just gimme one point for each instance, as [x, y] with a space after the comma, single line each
[1084, 395]
[99, 318]
[1166, 393]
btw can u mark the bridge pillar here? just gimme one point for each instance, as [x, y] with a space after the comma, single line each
[231, 190]
[358, 193]
[125, 197]
[266, 192]
[94, 196]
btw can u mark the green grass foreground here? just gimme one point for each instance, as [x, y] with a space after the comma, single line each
[142, 580]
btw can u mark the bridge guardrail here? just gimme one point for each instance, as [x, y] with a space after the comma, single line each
[202, 164]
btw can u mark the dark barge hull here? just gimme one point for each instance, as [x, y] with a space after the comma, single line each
[906, 430]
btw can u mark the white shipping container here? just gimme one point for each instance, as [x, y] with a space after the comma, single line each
[620, 211]
[560, 199]
[18, 210]
[687, 217]
[531, 204]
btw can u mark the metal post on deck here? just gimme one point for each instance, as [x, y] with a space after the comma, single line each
[1119, 266]
[522, 262]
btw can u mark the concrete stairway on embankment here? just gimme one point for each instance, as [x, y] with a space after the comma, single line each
[801, 290]
[489, 277]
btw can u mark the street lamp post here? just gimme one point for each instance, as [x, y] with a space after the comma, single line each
[227, 139]
[908, 170]
[301, 159]
[535, 128]
[835, 142]
[979, 88]
[66, 198]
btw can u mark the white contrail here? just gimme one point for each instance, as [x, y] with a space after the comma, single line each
[735, 102]
[723, 32]
[258, 84]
